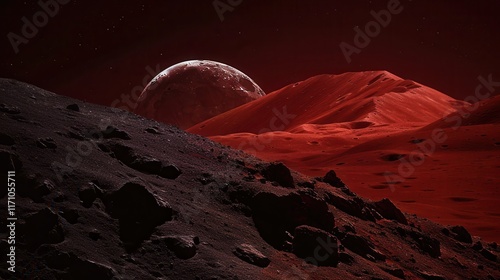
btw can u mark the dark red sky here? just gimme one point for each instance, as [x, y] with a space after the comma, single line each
[98, 50]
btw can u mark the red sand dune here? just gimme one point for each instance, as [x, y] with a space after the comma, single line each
[378, 132]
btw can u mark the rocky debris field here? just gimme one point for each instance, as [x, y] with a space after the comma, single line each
[105, 194]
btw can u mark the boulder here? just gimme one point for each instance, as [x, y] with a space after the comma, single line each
[275, 215]
[138, 211]
[88, 194]
[461, 234]
[279, 173]
[316, 246]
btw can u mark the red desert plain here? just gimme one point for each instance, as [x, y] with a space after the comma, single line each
[385, 136]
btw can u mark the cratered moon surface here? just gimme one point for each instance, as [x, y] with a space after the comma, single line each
[190, 92]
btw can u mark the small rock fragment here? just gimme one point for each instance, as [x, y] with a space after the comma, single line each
[170, 171]
[112, 132]
[394, 271]
[431, 276]
[251, 255]
[184, 247]
[73, 107]
[88, 193]
[152, 130]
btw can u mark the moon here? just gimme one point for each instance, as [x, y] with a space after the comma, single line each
[192, 91]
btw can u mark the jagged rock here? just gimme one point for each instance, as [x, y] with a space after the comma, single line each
[6, 139]
[138, 211]
[43, 227]
[361, 246]
[456, 262]
[184, 247]
[112, 132]
[275, 215]
[332, 179]
[353, 206]
[279, 173]
[315, 246]
[73, 107]
[461, 234]
[488, 254]
[388, 210]
[251, 255]
[88, 194]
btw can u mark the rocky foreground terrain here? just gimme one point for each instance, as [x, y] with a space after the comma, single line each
[105, 194]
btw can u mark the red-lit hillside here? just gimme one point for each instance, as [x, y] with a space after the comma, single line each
[376, 130]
